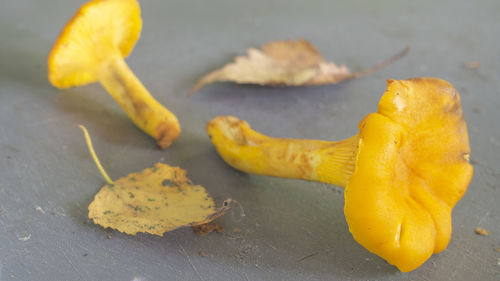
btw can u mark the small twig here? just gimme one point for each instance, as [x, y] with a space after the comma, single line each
[314, 254]
[380, 65]
[308, 256]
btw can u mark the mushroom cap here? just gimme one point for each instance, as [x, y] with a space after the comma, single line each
[100, 30]
[412, 168]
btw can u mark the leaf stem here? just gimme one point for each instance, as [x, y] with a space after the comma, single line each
[94, 155]
[381, 65]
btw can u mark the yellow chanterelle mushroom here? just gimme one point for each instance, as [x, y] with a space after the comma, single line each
[91, 48]
[403, 173]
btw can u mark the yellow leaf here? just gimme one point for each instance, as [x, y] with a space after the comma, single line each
[285, 63]
[155, 200]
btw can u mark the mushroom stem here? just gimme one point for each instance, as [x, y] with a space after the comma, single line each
[249, 151]
[144, 110]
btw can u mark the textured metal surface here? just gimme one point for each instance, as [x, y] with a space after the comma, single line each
[293, 230]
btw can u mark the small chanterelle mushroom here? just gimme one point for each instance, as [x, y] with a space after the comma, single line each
[92, 47]
[403, 173]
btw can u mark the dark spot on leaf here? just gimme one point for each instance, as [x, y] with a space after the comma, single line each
[151, 200]
[131, 195]
[107, 212]
[132, 179]
[167, 182]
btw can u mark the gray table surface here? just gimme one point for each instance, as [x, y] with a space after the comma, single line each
[293, 230]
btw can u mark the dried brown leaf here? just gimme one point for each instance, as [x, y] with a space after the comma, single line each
[285, 63]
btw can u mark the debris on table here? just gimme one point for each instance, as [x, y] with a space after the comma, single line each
[481, 231]
[24, 238]
[473, 65]
[207, 228]
[39, 209]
